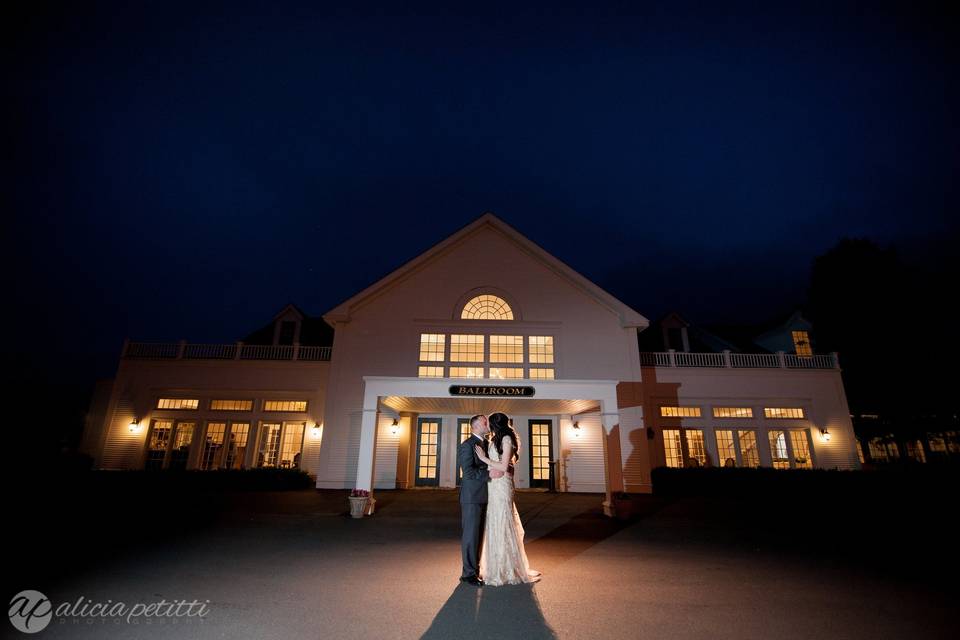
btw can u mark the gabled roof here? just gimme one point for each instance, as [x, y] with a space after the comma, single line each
[313, 330]
[628, 317]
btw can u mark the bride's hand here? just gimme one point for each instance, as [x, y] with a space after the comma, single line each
[480, 453]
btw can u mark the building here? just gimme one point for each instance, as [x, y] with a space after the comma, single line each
[378, 395]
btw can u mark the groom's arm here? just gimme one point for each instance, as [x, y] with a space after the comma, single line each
[468, 462]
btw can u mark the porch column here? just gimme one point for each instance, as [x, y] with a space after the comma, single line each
[368, 441]
[609, 418]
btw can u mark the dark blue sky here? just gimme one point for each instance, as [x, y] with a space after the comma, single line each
[185, 171]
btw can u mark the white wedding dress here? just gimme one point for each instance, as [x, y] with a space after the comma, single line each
[503, 559]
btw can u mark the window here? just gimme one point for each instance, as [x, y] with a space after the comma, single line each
[236, 454]
[506, 373]
[292, 445]
[269, 444]
[749, 454]
[672, 449]
[801, 343]
[541, 349]
[801, 449]
[487, 307]
[783, 412]
[697, 452]
[778, 450]
[732, 412]
[178, 403]
[231, 405]
[541, 374]
[466, 372]
[726, 452]
[210, 457]
[680, 412]
[915, 451]
[288, 329]
[182, 439]
[432, 346]
[466, 348]
[430, 372]
[159, 443]
[506, 348]
[285, 405]
[884, 449]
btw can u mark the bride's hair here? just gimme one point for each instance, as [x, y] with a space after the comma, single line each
[501, 426]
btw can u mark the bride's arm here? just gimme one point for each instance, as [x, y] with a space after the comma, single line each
[504, 464]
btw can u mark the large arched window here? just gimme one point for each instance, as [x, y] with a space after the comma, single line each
[486, 307]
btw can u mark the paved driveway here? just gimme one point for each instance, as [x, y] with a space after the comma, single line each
[293, 566]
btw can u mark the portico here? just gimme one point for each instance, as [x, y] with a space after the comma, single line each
[580, 414]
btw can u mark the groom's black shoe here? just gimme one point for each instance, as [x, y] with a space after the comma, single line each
[474, 580]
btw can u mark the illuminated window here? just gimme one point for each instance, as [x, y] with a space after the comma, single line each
[159, 443]
[487, 307]
[915, 451]
[540, 452]
[749, 454]
[466, 348]
[541, 374]
[541, 349]
[466, 372]
[506, 373]
[778, 450]
[182, 439]
[269, 444]
[671, 448]
[431, 347]
[292, 445]
[801, 449]
[285, 405]
[213, 445]
[237, 446]
[732, 412]
[801, 343]
[884, 449]
[428, 452]
[430, 372]
[231, 405]
[464, 434]
[696, 451]
[178, 403]
[726, 452]
[506, 349]
[859, 451]
[680, 412]
[783, 412]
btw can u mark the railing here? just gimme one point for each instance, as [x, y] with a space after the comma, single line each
[729, 360]
[236, 351]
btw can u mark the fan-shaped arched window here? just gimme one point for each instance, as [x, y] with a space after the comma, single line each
[487, 307]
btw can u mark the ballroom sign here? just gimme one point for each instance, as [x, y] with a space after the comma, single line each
[500, 391]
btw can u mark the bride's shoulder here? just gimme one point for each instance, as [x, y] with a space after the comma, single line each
[506, 439]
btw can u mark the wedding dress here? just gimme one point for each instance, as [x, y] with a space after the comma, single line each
[503, 559]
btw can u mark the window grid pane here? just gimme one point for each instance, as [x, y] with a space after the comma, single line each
[231, 405]
[726, 451]
[292, 445]
[671, 448]
[430, 372]
[778, 450]
[466, 348]
[541, 374]
[237, 445]
[541, 349]
[680, 412]
[486, 307]
[506, 373]
[732, 412]
[506, 348]
[269, 444]
[801, 449]
[783, 412]
[297, 406]
[178, 403]
[213, 445]
[466, 372]
[432, 347]
[749, 455]
[695, 447]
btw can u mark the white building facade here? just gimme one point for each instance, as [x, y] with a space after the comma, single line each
[484, 321]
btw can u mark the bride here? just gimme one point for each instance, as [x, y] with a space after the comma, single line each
[503, 559]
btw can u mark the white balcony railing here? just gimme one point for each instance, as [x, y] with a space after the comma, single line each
[728, 360]
[236, 351]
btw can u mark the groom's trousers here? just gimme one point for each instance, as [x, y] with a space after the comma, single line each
[471, 519]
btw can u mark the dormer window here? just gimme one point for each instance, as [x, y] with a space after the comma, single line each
[487, 307]
[801, 343]
[287, 332]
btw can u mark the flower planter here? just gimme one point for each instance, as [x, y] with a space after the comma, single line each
[358, 505]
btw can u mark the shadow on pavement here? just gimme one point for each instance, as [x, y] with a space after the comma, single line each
[510, 611]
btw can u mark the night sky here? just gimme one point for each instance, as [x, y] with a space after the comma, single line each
[185, 171]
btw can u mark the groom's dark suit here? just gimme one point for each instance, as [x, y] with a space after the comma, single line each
[473, 501]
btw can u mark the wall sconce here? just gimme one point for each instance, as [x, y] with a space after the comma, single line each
[135, 426]
[576, 429]
[315, 432]
[395, 427]
[824, 435]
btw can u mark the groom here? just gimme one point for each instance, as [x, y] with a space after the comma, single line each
[473, 497]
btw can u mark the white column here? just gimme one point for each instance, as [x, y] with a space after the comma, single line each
[609, 418]
[368, 447]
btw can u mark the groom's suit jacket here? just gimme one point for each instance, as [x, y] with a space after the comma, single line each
[473, 484]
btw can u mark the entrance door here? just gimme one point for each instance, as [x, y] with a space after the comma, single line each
[428, 453]
[541, 452]
[463, 427]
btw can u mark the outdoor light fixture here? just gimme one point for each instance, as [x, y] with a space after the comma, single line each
[824, 435]
[316, 430]
[395, 427]
[576, 429]
[134, 426]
